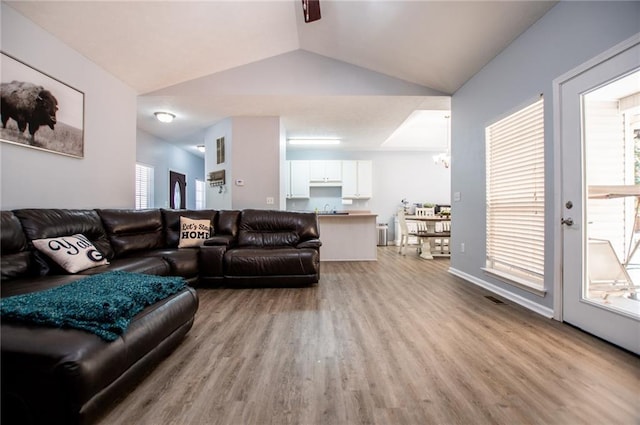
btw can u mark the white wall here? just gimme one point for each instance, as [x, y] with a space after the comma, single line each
[396, 176]
[567, 36]
[165, 157]
[214, 198]
[105, 176]
[256, 161]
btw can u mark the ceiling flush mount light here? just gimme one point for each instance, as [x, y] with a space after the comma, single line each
[314, 142]
[200, 148]
[164, 116]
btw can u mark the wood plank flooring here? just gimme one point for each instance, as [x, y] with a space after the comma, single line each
[397, 341]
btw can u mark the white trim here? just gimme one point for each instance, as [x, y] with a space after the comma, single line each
[557, 165]
[516, 281]
[528, 304]
[557, 203]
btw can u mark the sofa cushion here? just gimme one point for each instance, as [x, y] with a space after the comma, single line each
[171, 220]
[70, 375]
[24, 285]
[133, 230]
[181, 262]
[73, 253]
[193, 233]
[53, 223]
[262, 228]
[226, 223]
[15, 258]
[278, 261]
[148, 265]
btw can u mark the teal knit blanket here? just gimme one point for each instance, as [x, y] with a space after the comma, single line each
[103, 304]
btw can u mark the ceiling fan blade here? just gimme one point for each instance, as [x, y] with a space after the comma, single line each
[311, 10]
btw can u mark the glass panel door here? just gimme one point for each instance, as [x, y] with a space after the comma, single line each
[597, 118]
[611, 123]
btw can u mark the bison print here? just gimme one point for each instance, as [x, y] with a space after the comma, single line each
[29, 104]
[39, 111]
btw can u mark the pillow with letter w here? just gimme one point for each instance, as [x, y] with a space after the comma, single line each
[73, 253]
[193, 232]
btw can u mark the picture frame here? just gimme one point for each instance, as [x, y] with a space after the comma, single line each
[39, 111]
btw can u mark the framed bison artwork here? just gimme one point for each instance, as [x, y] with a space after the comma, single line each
[39, 111]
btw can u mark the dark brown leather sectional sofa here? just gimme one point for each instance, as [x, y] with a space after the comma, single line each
[66, 376]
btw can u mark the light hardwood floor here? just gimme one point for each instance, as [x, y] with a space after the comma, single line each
[398, 341]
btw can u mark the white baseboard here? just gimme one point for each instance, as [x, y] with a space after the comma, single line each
[540, 309]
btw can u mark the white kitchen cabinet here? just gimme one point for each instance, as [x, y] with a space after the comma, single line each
[297, 176]
[357, 179]
[325, 173]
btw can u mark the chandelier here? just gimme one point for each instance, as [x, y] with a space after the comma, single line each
[444, 158]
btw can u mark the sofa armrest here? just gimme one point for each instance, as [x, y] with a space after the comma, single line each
[211, 261]
[311, 243]
[219, 240]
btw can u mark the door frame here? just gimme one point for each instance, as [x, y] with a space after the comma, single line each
[557, 84]
[169, 187]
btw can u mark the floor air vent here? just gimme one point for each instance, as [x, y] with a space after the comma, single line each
[494, 299]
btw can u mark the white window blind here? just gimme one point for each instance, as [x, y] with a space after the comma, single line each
[144, 186]
[515, 196]
[200, 190]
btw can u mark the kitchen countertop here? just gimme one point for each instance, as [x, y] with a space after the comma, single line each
[350, 214]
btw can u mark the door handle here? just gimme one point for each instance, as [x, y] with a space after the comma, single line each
[568, 221]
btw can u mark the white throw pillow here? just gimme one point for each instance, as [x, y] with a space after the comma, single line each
[73, 253]
[193, 232]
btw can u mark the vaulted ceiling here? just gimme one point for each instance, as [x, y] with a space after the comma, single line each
[151, 45]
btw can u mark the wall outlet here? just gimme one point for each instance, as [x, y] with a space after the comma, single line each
[270, 200]
[457, 196]
[462, 247]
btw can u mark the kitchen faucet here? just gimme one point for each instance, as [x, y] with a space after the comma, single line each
[326, 207]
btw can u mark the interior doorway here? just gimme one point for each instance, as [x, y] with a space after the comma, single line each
[177, 190]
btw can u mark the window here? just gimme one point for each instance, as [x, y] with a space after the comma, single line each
[144, 186]
[515, 197]
[200, 189]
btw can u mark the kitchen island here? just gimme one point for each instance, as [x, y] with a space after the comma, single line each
[348, 236]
